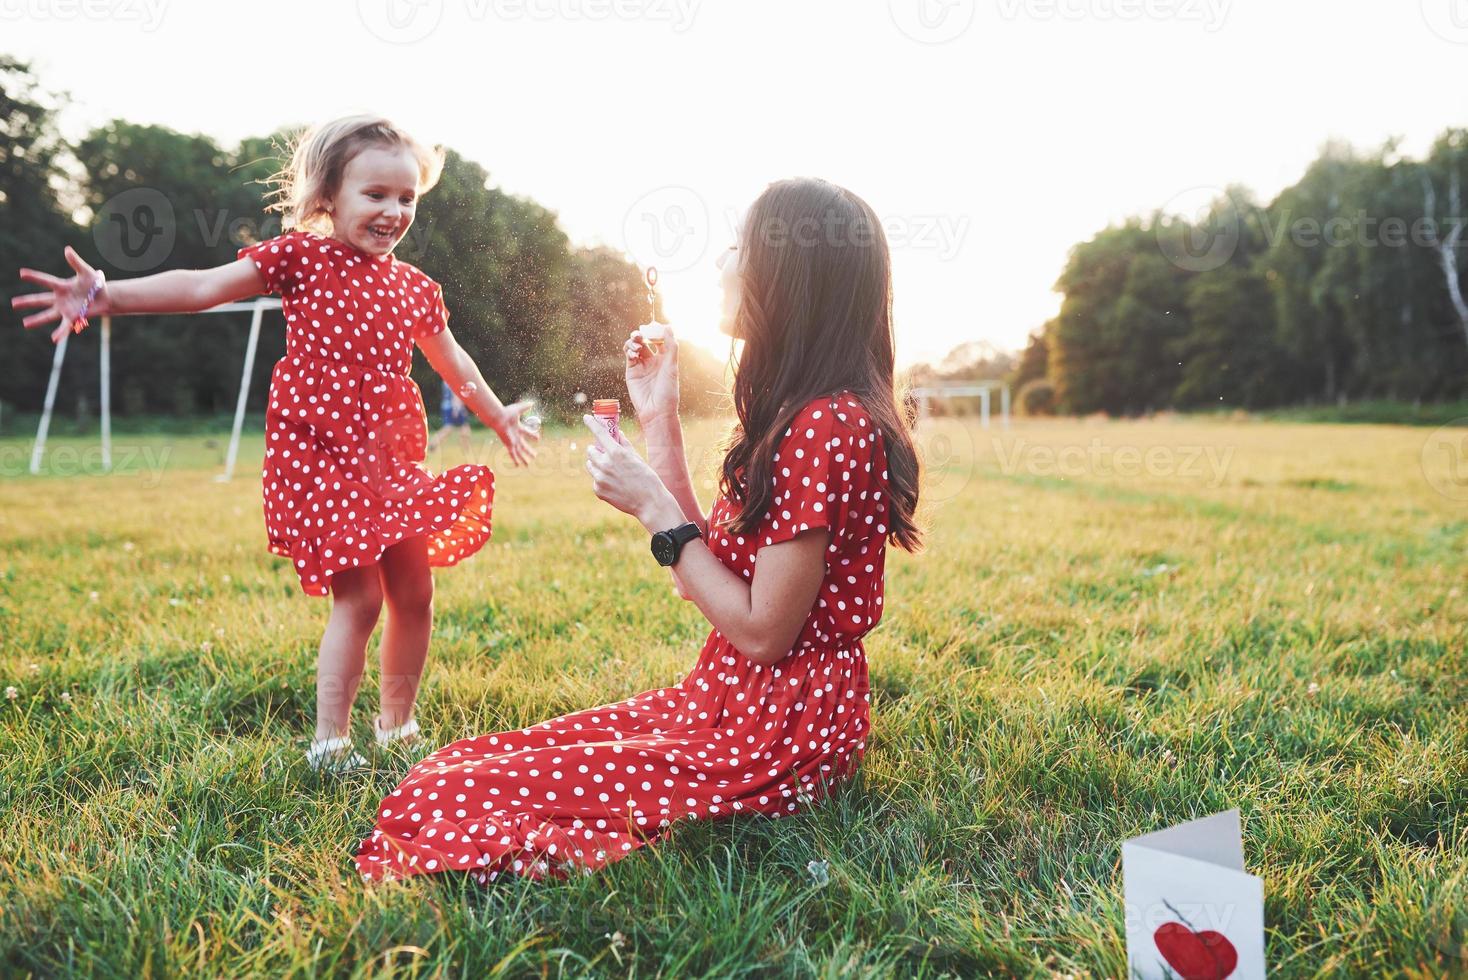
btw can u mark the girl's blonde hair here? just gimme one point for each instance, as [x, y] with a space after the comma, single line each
[318, 159]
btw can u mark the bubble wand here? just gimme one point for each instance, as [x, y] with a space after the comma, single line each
[652, 331]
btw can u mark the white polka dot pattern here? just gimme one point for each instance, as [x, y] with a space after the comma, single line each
[345, 430]
[576, 792]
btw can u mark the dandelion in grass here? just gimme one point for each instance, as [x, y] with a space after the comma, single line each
[94, 596]
[66, 696]
[11, 693]
[206, 646]
[1313, 689]
[35, 668]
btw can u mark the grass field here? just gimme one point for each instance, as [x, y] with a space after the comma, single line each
[1116, 626]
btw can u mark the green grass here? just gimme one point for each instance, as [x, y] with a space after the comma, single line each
[1259, 615]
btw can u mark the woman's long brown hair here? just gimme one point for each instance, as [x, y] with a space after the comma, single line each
[815, 315]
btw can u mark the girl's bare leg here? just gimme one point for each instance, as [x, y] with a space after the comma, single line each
[356, 603]
[407, 585]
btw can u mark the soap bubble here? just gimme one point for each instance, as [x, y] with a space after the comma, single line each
[468, 389]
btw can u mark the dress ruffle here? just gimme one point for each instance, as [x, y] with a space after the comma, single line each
[579, 791]
[344, 479]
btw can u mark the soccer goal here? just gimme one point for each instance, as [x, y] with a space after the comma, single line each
[256, 308]
[983, 390]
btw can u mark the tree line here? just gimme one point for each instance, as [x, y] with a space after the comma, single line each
[1348, 285]
[541, 318]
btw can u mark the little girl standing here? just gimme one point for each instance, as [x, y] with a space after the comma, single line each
[346, 496]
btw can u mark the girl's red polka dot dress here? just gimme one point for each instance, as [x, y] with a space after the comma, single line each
[345, 431]
[732, 737]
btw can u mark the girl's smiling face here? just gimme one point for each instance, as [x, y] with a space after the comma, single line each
[377, 199]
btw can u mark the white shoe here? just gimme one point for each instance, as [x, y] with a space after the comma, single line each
[406, 732]
[333, 755]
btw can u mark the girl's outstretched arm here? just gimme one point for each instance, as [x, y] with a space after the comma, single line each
[175, 291]
[458, 369]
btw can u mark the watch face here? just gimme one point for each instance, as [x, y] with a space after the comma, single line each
[662, 548]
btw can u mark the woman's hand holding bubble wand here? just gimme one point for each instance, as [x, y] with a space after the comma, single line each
[652, 366]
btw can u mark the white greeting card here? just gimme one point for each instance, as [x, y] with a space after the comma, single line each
[1192, 912]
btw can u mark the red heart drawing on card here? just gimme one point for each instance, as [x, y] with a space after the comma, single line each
[1196, 955]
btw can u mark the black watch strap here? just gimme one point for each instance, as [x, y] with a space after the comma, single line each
[667, 546]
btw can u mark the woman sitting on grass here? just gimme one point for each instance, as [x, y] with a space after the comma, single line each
[820, 474]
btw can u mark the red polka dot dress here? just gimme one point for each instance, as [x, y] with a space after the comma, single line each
[734, 736]
[345, 430]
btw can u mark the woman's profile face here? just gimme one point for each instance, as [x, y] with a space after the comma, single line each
[728, 265]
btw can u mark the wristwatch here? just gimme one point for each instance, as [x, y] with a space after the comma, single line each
[667, 545]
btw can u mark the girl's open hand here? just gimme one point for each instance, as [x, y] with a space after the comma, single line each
[652, 377]
[64, 299]
[519, 438]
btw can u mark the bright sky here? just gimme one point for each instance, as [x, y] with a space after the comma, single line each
[991, 136]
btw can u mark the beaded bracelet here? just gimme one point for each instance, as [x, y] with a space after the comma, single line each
[81, 318]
